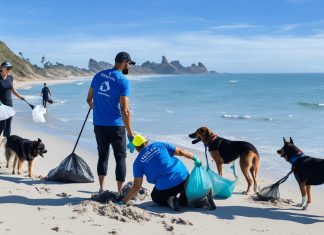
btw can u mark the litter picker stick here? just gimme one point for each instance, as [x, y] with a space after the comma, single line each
[32, 106]
[81, 130]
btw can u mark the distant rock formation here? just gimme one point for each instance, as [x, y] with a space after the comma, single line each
[165, 67]
[96, 67]
[24, 70]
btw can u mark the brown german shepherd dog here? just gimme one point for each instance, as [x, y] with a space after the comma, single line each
[224, 151]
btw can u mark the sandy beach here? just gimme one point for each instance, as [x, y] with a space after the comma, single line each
[35, 206]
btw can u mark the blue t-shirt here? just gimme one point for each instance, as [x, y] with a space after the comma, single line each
[108, 86]
[157, 163]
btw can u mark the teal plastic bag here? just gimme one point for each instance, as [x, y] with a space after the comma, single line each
[198, 185]
[222, 187]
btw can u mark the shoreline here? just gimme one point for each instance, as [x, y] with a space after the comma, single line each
[53, 213]
[22, 84]
[73, 215]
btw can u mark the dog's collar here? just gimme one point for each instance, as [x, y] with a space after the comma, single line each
[294, 158]
[211, 139]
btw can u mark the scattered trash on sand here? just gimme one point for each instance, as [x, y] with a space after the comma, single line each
[180, 221]
[64, 194]
[55, 229]
[281, 203]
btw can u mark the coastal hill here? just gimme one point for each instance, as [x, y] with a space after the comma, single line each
[165, 67]
[23, 69]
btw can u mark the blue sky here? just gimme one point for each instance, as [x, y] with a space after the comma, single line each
[225, 35]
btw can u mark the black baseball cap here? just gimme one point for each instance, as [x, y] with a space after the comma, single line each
[6, 64]
[123, 56]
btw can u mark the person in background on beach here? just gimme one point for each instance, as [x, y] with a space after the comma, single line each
[6, 88]
[46, 93]
[108, 96]
[169, 175]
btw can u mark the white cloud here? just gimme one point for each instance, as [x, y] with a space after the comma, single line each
[287, 27]
[233, 26]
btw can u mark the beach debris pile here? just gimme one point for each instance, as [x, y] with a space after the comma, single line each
[105, 197]
[141, 196]
[121, 213]
[127, 213]
[108, 196]
[281, 202]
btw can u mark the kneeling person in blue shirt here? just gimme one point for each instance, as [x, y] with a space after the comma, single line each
[157, 162]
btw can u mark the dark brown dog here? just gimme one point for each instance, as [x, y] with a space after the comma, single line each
[224, 151]
[307, 170]
[24, 150]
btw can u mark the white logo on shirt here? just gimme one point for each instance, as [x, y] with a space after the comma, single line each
[149, 154]
[104, 88]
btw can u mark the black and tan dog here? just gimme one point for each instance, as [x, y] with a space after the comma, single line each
[307, 170]
[224, 151]
[24, 150]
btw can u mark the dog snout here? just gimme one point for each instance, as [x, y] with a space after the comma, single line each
[279, 151]
[196, 141]
[193, 135]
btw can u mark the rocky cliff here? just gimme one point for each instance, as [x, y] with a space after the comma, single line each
[24, 70]
[165, 67]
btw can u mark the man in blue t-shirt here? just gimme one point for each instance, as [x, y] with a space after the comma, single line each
[108, 96]
[169, 175]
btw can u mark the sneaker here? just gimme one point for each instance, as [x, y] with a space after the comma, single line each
[100, 191]
[210, 202]
[206, 201]
[173, 203]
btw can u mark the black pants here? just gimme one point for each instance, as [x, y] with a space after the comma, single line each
[45, 100]
[5, 127]
[116, 136]
[160, 196]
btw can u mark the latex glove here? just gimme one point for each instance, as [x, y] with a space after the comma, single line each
[197, 161]
[130, 145]
[121, 203]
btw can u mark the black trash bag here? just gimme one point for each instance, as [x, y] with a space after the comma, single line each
[271, 192]
[72, 169]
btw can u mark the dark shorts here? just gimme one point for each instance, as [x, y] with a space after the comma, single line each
[160, 196]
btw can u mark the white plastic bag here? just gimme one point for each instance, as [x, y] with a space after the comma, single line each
[38, 114]
[6, 112]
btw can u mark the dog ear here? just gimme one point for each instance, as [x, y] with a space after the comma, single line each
[207, 134]
[39, 140]
[284, 140]
[291, 140]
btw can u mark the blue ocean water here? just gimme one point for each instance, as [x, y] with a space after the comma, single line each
[259, 108]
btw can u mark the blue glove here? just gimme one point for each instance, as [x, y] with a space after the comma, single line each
[130, 145]
[197, 161]
[121, 203]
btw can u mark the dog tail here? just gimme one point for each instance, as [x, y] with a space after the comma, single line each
[3, 141]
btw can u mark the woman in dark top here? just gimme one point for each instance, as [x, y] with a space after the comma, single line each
[6, 87]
